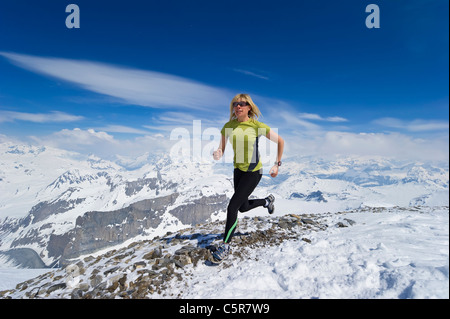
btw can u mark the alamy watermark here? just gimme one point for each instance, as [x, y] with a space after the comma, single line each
[73, 19]
[373, 19]
[197, 145]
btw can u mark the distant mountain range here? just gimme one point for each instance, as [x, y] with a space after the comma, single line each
[56, 205]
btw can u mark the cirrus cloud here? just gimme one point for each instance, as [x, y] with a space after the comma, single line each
[131, 86]
[55, 116]
[414, 125]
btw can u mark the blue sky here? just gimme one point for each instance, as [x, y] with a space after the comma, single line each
[135, 70]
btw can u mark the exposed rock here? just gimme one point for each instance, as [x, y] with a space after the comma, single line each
[44, 209]
[97, 230]
[350, 221]
[347, 222]
[317, 196]
[199, 210]
[139, 265]
[111, 270]
[145, 268]
[56, 287]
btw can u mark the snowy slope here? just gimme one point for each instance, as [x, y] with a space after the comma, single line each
[395, 253]
[366, 253]
[30, 174]
[44, 190]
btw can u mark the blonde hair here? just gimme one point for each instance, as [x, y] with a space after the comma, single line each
[254, 111]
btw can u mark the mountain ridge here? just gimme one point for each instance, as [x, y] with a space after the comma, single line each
[56, 188]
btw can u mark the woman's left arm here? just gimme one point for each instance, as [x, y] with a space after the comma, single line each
[274, 137]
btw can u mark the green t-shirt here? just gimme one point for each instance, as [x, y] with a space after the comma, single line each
[244, 137]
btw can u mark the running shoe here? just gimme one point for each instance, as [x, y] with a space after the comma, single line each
[270, 206]
[221, 253]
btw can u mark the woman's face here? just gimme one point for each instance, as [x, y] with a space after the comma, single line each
[241, 111]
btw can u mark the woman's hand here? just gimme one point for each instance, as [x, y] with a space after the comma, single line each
[274, 137]
[274, 171]
[218, 154]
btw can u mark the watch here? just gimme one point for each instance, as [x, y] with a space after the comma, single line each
[278, 163]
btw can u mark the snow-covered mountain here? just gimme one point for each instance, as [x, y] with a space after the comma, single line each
[61, 204]
[48, 194]
[366, 181]
[392, 253]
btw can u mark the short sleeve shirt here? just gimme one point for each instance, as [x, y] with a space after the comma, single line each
[244, 137]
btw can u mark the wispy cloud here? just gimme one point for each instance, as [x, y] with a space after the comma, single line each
[295, 122]
[256, 75]
[55, 116]
[317, 117]
[390, 145]
[318, 135]
[112, 128]
[131, 86]
[305, 133]
[287, 118]
[417, 125]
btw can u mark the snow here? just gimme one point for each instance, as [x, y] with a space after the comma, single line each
[388, 253]
[10, 277]
[392, 254]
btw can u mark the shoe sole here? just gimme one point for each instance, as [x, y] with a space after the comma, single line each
[271, 211]
[215, 261]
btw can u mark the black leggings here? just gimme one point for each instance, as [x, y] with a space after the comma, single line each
[244, 184]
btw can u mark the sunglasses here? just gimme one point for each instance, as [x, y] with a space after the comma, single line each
[235, 104]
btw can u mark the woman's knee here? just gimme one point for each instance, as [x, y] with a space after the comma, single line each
[244, 207]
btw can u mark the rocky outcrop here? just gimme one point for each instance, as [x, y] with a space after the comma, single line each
[158, 184]
[98, 230]
[317, 196]
[44, 209]
[199, 210]
[145, 269]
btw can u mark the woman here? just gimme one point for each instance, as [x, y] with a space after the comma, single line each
[244, 130]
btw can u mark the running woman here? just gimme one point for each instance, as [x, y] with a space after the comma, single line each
[243, 130]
